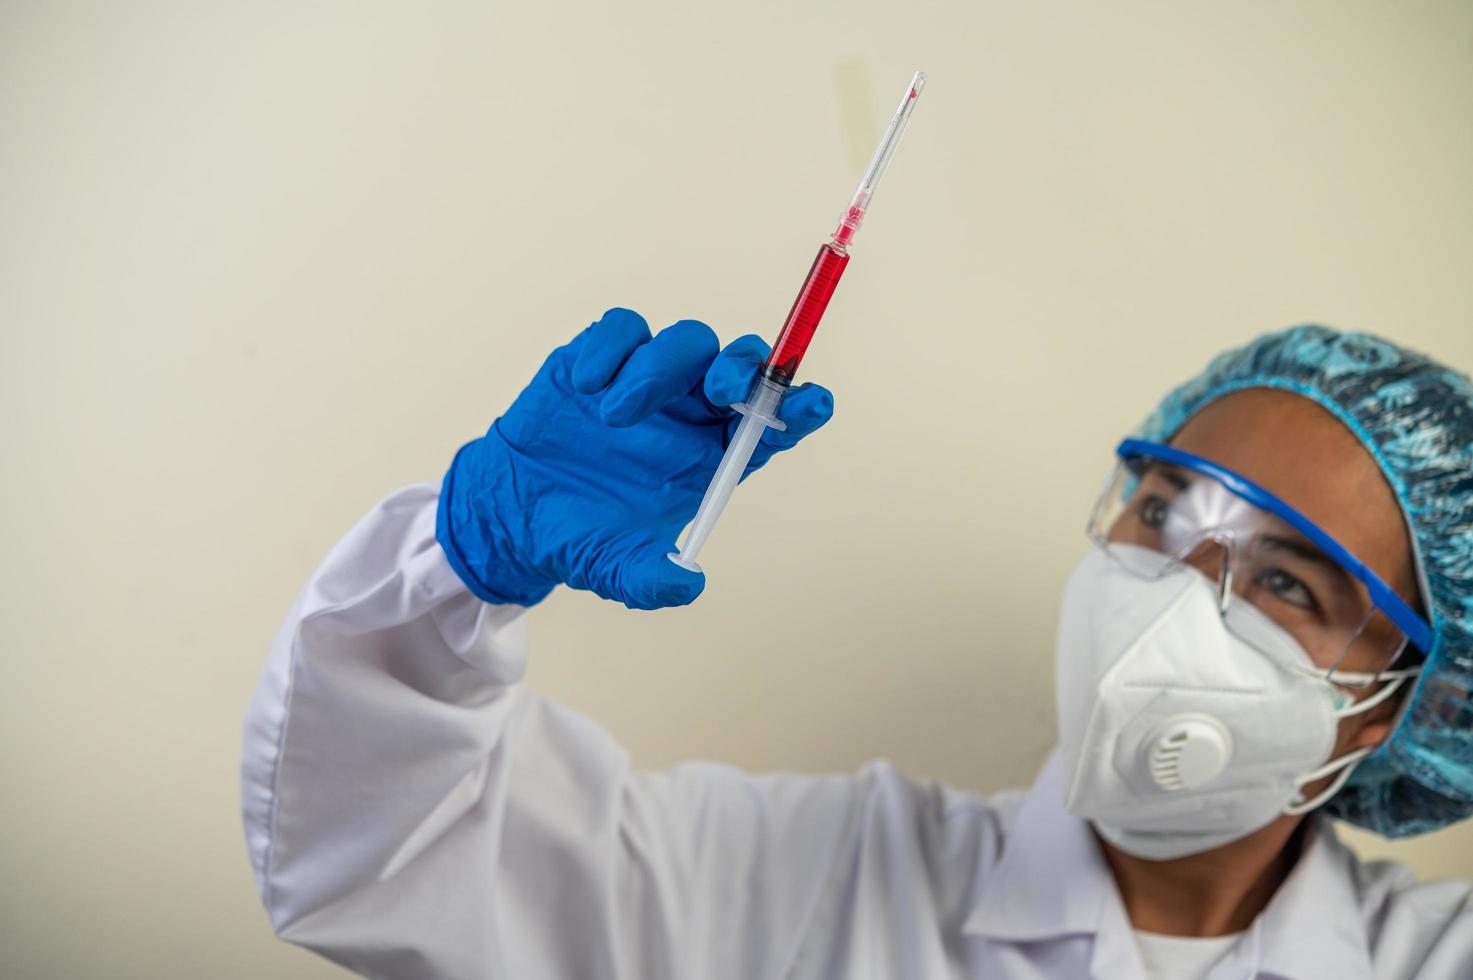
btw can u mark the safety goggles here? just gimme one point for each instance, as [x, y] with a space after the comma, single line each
[1165, 508]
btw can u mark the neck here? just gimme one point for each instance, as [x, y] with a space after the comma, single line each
[1214, 893]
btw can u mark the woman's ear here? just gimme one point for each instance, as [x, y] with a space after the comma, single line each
[1377, 723]
[1370, 736]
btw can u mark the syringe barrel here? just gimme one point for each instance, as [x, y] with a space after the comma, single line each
[813, 299]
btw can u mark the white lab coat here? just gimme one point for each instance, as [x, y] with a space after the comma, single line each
[413, 812]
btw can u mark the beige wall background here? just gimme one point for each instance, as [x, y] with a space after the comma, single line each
[261, 264]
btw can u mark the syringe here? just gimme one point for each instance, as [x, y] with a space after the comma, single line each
[759, 411]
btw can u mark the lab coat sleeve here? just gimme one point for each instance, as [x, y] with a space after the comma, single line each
[412, 811]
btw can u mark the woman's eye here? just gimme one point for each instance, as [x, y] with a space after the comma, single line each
[1287, 588]
[1153, 511]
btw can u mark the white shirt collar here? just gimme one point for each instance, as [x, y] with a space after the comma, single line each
[1052, 881]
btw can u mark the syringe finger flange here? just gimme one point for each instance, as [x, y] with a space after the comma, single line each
[762, 404]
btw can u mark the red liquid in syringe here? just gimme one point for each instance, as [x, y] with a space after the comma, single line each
[813, 299]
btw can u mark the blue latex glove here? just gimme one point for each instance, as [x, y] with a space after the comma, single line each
[590, 475]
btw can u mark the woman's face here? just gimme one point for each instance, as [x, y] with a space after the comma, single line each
[1299, 452]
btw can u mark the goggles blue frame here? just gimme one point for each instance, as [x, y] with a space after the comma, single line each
[1418, 632]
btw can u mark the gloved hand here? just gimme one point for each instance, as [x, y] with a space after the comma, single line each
[590, 475]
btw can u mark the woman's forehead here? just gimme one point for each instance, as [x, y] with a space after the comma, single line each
[1305, 456]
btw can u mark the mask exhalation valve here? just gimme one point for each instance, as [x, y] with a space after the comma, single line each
[1187, 751]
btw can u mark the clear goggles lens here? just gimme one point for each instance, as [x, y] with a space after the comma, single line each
[1154, 518]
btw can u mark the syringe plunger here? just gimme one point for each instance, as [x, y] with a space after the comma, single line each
[759, 413]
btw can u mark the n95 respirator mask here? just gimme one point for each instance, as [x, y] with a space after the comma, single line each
[1184, 726]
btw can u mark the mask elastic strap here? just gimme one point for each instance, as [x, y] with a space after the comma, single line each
[1346, 764]
[1394, 678]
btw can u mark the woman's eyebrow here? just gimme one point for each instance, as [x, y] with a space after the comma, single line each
[1305, 550]
[1171, 474]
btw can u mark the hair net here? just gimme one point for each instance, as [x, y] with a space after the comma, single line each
[1416, 418]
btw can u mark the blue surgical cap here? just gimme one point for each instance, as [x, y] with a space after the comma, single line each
[1415, 417]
